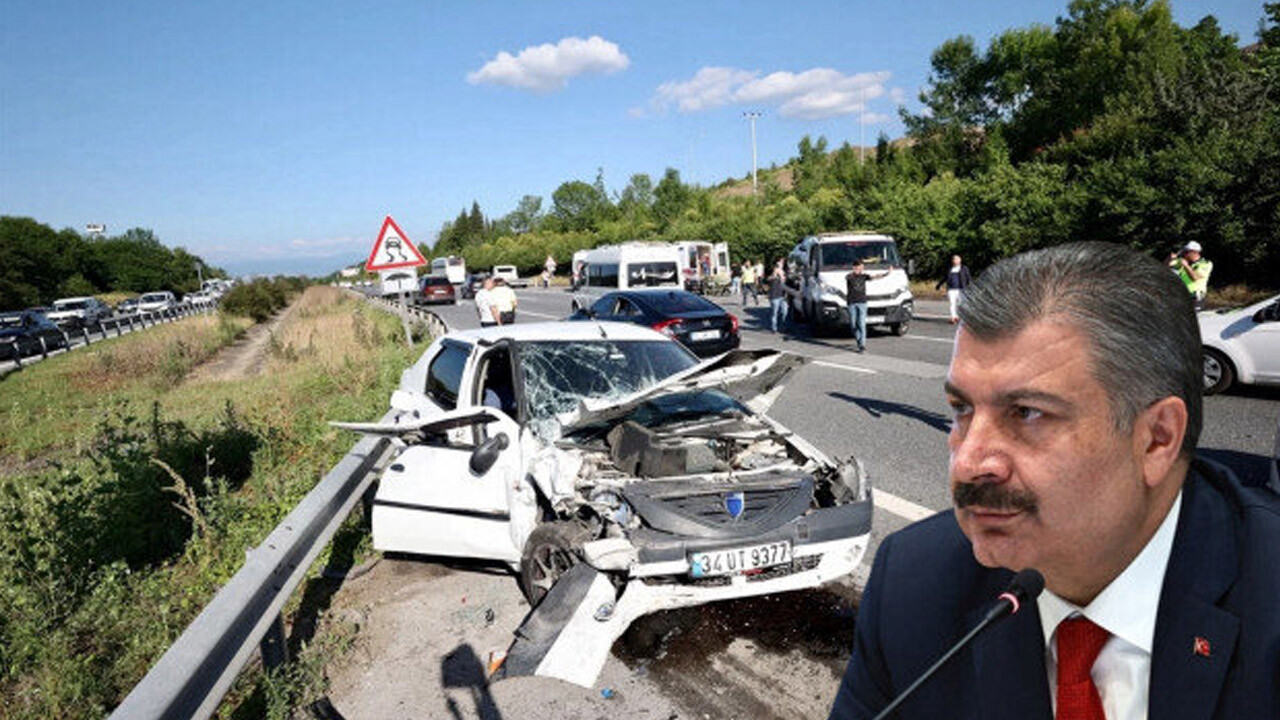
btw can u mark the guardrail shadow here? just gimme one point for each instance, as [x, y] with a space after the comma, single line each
[463, 669]
[880, 408]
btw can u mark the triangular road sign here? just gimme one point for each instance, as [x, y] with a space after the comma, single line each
[393, 250]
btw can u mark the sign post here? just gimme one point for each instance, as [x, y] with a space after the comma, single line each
[391, 252]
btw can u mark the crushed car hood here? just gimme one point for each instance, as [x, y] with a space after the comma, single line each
[753, 377]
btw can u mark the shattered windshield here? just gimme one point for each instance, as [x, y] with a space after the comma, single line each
[559, 375]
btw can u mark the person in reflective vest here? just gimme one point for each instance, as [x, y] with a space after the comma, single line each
[1193, 268]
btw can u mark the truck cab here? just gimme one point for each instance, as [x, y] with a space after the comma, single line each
[816, 271]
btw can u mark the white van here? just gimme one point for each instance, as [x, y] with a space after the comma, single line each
[700, 260]
[816, 271]
[625, 267]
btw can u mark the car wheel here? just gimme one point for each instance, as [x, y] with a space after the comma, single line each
[900, 328]
[552, 548]
[1218, 372]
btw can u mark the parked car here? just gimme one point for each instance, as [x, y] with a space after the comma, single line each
[699, 324]
[434, 289]
[128, 306]
[509, 275]
[79, 312]
[616, 474]
[156, 301]
[22, 331]
[471, 285]
[1241, 345]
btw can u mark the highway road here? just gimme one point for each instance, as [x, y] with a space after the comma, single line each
[764, 658]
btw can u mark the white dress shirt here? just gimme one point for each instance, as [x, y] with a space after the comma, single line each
[1127, 609]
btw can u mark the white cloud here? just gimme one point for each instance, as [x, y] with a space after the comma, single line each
[813, 94]
[710, 87]
[547, 67]
[898, 96]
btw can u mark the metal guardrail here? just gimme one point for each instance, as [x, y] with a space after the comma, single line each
[191, 678]
[195, 673]
[140, 319]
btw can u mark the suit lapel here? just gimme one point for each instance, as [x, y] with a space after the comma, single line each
[1010, 679]
[1194, 639]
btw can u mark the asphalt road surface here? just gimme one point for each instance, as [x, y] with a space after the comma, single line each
[426, 630]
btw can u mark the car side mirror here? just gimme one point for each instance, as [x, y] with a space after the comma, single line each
[487, 453]
[1270, 313]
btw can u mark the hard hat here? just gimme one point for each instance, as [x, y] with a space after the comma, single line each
[1192, 246]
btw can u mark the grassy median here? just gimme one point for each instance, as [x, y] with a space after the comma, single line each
[131, 489]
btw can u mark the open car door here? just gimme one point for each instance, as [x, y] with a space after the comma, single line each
[445, 497]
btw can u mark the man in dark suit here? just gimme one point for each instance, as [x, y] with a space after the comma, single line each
[1075, 388]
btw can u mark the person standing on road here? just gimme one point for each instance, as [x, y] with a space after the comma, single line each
[856, 296]
[957, 280]
[735, 281]
[1075, 392]
[749, 284]
[504, 301]
[1193, 269]
[777, 296]
[484, 305]
[550, 267]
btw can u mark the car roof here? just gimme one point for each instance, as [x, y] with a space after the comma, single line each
[587, 330]
[71, 299]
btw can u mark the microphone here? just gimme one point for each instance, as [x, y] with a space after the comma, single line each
[1025, 587]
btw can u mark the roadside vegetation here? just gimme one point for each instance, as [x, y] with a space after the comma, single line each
[131, 492]
[1115, 123]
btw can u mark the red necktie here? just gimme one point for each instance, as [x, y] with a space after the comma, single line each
[1079, 642]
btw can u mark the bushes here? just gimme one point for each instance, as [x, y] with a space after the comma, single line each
[261, 298]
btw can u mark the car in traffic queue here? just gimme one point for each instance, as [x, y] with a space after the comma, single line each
[78, 312]
[1241, 345]
[697, 323]
[22, 333]
[616, 474]
[156, 301]
[471, 285]
[433, 289]
[509, 275]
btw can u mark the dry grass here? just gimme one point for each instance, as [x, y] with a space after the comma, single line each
[326, 326]
[1236, 296]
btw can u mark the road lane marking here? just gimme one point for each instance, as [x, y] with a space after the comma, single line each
[538, 314]
[901, 507]
[948, 341]
[850, 368]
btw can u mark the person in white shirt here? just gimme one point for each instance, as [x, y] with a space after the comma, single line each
[485, 306]
[504, 301]
[1076, 404]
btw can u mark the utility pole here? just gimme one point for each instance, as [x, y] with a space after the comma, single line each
[755, 183]
[862, 127]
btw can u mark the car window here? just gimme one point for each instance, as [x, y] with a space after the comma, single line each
[626, 308]
[671, 303]
[10, 321]
[444, 375]
[650, 273]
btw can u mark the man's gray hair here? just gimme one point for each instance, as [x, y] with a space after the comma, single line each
[1139, 317]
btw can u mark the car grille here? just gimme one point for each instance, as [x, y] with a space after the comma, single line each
[698, 509]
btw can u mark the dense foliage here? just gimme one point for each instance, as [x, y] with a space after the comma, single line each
[1114, 124]
[39, 265]
[131, 489]
[261, 298]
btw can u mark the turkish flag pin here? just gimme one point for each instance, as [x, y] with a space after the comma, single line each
[1200, 646]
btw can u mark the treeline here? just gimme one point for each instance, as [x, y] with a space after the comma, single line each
[1113, 124]
[39, 265]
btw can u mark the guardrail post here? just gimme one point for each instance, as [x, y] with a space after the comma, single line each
[44, 348]
[85, 329]
[17, 353]
[66, 340]
[275, 645]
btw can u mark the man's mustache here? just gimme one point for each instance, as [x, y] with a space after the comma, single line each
[992, 496]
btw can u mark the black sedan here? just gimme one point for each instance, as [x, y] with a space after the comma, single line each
[21, 332]
[699, 324]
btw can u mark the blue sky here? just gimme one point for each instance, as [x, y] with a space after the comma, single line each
[274, 137]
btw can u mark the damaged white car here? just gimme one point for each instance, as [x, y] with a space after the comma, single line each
[616, 474]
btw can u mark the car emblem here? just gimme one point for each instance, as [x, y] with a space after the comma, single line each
[735, 503]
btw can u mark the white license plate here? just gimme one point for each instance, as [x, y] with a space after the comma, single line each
[701, 335]
[737, 560]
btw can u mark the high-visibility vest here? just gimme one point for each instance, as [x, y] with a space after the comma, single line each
[1202, 268]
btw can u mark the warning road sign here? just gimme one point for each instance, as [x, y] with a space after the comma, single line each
[393, 250]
